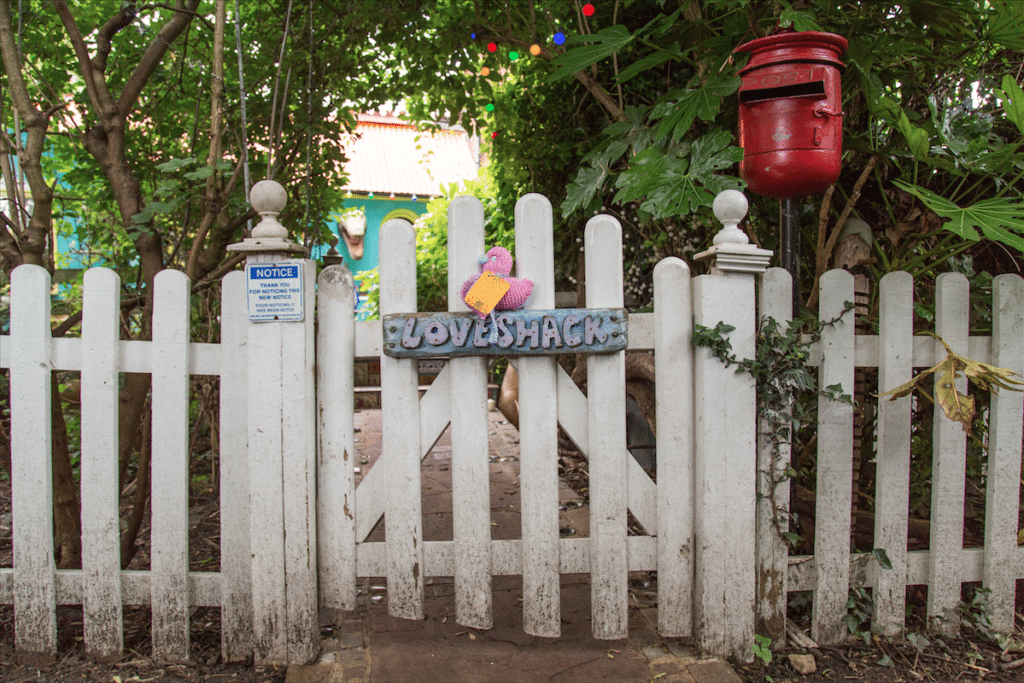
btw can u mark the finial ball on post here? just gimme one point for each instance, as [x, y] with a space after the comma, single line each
[730, 206]
[268, 196]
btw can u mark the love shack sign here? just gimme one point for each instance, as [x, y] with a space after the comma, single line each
[516, 333]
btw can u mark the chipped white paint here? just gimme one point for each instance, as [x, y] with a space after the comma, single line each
[724, 474]
[235, 549]
[949, 462]
[266, 492]
[169, 495]
[606, 433]
[726, 456]
[471, 491]
[835, 462]
[538, 429]
[298, 455]
[673, 349]
[775, 302]
[336, 500]
[101, 531]
[892, 463]
[35, 607]
[400, 424]
[1004, 464]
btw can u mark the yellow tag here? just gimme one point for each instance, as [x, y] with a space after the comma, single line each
[486, 292]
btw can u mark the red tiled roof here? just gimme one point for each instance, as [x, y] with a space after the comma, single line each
[388, 157]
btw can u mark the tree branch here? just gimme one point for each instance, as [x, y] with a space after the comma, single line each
[12, 64]
[150, 60]
[99, 95]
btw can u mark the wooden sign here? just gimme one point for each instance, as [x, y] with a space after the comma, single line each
[519, 333]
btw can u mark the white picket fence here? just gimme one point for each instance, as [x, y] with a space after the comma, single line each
[101, 587]
[294, 524]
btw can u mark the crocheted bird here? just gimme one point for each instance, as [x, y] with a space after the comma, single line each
[498, 262]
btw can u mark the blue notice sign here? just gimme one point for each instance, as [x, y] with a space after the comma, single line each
[274, 291]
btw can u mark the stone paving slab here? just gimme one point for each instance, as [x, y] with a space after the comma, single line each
[370, 646]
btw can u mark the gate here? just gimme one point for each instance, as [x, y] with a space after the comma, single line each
[411, 425]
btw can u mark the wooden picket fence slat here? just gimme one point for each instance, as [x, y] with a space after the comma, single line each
[773, 460]
[538, 430]
[835, 461]
[892, 468]
[606, 421]
[235, 507]
[674, 435]
[471, 491]
[101, 524]
[400, 442]
[949, 460]
[1002, 488]
[35, 595]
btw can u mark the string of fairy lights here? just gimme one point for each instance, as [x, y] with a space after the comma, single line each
[558, 38]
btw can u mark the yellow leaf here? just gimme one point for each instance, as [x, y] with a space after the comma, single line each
[958, 407]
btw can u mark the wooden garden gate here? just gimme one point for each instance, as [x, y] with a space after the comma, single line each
[548, 398]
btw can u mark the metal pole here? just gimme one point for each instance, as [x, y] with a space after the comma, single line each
[789, 220]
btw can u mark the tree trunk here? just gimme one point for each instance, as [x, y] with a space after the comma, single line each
[67, 511]
[131, 410]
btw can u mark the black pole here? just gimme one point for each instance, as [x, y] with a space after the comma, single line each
[789, 220]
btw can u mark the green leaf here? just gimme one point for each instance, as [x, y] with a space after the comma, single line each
[201, 173]
[1006, 26]
[917, 138]
[703, 103]
[589, 181]
[1000, 219]
[607, 42]
[882, 558]
[174, 164]
[647, 63]
[672, 185]
[799, 20]
[1012, 99]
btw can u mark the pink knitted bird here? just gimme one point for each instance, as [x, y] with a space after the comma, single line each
[498, 261]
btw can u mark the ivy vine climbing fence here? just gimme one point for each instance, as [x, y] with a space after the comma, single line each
[295, 524]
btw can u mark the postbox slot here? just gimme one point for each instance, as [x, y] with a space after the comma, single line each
[812, 89]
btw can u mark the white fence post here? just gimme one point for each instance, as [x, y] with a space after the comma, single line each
[892, 468]
[471, 492]
[1002, 487]
[35, 595]
[726, 449]
[949, 462]
[773, 489]
[282, 455]
[400, 430]
[336, 503]
[673, 354]
[169, 495]
[538, 430]
[101, 531]
[835, 462]
[606, 433]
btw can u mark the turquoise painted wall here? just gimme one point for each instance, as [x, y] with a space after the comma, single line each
[376, 209]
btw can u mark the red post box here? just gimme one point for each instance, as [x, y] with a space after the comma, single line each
[791, 117]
